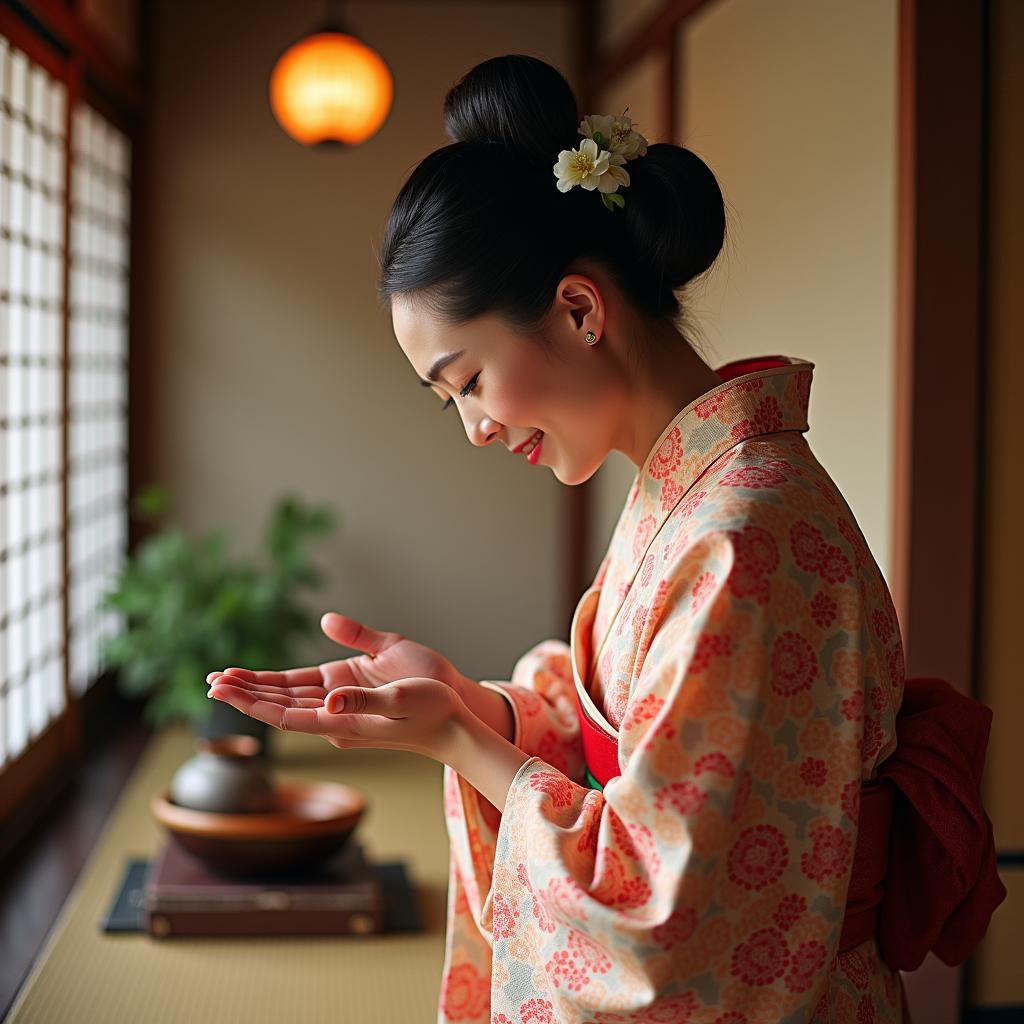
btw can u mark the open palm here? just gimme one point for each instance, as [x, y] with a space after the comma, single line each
[386, 657]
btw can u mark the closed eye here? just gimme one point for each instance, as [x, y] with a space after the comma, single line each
[470, 386]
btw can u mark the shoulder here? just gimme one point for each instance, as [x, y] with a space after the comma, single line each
[770, 506]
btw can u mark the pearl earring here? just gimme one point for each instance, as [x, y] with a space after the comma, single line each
[591, 337]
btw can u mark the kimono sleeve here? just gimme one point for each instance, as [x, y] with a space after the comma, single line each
[543, 700]
[711, 875]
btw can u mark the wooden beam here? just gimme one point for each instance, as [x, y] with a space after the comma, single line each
[33, 766]
[650, 35]
[62, 22]
[21, 35]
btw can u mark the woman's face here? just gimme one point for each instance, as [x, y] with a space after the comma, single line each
[506, 386]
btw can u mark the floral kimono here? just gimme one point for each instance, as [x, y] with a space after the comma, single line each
[740, 643]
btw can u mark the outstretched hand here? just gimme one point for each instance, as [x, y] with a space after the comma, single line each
[398, 694]
[415, 714]
[386, 657]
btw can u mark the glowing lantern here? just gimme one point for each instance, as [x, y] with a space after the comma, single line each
[331, 88]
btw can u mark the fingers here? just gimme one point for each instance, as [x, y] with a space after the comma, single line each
[289, 718]
[292, 677]
[230, 676]
[350, 633]
[401, 715]
[284, 700]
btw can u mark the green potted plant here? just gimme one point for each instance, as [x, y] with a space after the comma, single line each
[190, 609]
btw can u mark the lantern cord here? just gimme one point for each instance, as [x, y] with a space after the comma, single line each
[335, 19]
[335, 12]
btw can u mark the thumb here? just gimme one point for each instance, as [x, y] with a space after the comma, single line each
[357, 700]
[350, 633]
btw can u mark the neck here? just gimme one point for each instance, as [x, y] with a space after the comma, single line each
[671, 377]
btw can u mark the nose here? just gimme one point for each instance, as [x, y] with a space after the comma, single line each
[482, 431]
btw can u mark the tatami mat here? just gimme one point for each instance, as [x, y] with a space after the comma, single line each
[84, 976]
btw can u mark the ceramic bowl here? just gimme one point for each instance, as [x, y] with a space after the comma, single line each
[309, 822]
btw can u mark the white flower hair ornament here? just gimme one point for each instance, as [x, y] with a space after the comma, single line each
[598, 162]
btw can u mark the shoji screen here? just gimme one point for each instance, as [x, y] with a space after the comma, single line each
[32, 202]
[34, 209]
[98, 384]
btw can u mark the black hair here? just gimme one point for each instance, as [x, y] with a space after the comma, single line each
[479, 226]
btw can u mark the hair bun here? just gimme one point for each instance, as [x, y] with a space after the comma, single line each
[516, 100]
[508, 119]
[675, 214]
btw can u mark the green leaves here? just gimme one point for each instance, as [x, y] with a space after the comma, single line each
[288, 529]
[188, 608]
[151, 502]
[612, 200]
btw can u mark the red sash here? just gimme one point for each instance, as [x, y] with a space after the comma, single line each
[922, 830]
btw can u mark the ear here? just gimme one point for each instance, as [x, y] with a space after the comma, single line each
[578, 297]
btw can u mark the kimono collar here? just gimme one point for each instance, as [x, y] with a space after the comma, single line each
[757, 396]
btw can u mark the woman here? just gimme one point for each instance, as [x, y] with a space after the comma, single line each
[658, 822]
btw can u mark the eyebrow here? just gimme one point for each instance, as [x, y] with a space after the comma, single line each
[439, 364]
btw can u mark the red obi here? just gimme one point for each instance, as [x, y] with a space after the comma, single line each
[922, 830]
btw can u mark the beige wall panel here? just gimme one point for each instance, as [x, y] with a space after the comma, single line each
[274, 368]
[792, 104]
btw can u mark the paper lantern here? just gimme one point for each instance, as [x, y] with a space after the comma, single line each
[331, 88]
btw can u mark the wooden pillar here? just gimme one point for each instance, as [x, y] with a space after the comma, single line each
[940, 153]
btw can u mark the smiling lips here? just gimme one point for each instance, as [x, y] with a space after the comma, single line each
[533, 455]
[534, 437]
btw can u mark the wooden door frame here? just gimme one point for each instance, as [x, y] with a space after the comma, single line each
[940, 335]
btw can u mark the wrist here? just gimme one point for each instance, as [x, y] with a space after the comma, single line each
[487, 761]
[493, 709]
[463, 740]
[464, 687]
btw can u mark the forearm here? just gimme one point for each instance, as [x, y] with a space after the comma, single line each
[487, 761]
[491, 708]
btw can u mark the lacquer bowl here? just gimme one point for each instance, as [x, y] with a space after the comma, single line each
[309, 822]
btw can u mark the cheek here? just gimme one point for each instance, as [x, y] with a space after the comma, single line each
[520, 401]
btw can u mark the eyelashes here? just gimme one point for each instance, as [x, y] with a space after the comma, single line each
[470, 386]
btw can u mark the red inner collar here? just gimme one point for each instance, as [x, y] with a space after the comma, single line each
[742, 366]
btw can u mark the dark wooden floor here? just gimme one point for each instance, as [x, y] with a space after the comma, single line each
[37, 874]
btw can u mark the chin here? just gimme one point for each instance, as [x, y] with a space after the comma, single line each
[579, 474]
